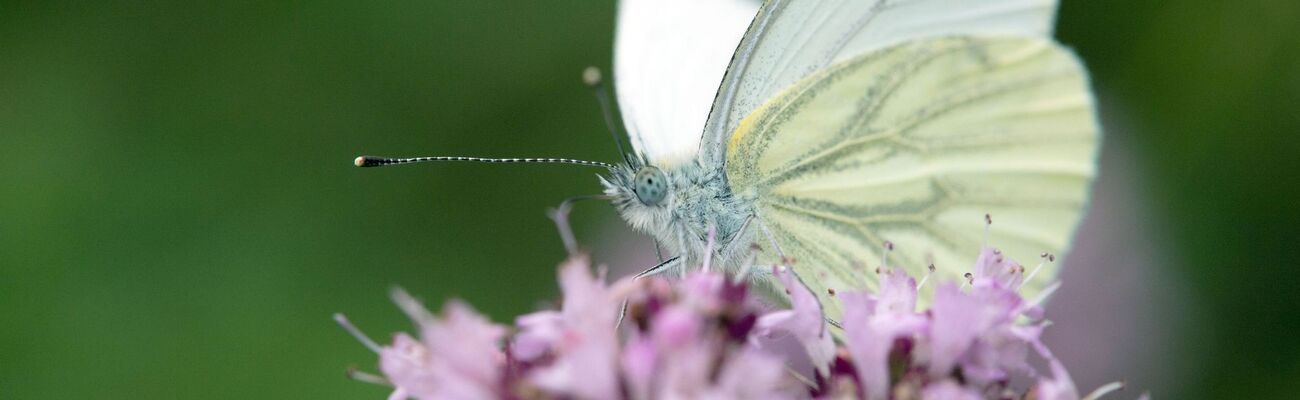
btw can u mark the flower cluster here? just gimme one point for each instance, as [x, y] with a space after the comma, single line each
[706, 336]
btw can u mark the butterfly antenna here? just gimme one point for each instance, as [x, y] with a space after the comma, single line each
[592, 77]
[372, 161]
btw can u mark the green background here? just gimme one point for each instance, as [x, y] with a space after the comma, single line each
[179, 216]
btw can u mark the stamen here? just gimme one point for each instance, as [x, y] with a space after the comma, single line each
[367, 377]
[1015, 271]
[561, 218]
[970, 280]
[560, 215]
[1042, 296]
[1045, 258]
[1104, 390]
[356, 333]
[412, 307]
[988, 220]
[884, 257]
[929, 271]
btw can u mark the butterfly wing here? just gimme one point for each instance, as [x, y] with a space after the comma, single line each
[913, 144]
[789, 40]
[669, 58]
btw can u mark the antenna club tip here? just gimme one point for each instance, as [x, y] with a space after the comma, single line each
[591, 76]
[369, 161]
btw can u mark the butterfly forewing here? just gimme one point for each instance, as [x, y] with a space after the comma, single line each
[669, 57]
[914, 144]
[789, 40]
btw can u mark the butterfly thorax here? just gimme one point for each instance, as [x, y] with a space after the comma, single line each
[697, 198]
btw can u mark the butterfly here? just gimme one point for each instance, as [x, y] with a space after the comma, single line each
[817, 134]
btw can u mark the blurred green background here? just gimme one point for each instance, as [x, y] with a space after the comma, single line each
[179, 215]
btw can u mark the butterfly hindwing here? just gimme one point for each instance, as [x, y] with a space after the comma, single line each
[914, 144]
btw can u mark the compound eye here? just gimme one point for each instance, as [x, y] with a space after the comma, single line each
[650, 186]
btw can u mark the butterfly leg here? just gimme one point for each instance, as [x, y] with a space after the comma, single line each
[784, 260]
[658, 268]
[770, 237]
[652, 271]
[732, 245]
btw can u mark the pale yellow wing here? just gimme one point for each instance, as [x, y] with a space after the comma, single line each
[790, 40]
[914, 144]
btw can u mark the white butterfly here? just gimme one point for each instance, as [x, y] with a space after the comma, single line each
[835, 126]
[828, 128]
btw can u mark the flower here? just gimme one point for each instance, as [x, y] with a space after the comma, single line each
[581, 336]
[698, 338]
[948, 389]
[805, 321]
[457, 356]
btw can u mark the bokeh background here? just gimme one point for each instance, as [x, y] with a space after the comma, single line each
[179, 216]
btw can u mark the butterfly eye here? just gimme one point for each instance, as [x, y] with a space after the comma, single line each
[650, 186]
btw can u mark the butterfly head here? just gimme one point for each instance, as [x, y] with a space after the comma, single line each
[642, 193]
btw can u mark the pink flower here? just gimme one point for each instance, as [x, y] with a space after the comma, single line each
[408, 366]
[583, 338]
[897, 293]
[750, 374]
[640, 360]
[948, 389]
[698, 338]
[675, 326]
[538, 332]
[805, 321]
[458, 355]
[978, 329]
[872, 325]
[1058, 386]
[957, 320]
